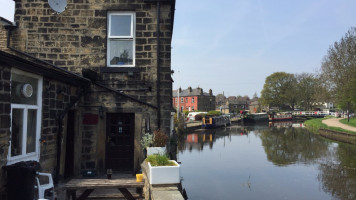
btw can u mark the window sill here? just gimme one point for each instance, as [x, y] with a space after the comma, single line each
[119, 69]
[28, 157]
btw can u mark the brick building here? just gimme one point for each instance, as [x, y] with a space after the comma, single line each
[193, 99]
[100, 72]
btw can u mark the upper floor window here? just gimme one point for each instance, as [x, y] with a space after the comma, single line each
[121, 39]
[26, 103]
[182, 100]
[192, 99]
[186, 100]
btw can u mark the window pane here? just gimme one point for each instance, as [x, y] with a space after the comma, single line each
[120, 25]
[23, 89]
[16, 132]
[31, 131]
[121, 52]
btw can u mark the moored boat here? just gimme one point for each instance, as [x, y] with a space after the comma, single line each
[255, 117]
[280, 116]
[216, 121]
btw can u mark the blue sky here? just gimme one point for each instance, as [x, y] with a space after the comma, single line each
[233, 45]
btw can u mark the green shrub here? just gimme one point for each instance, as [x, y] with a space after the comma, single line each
[214, 113]
[147, 140]
[186, 112]
[159, 160]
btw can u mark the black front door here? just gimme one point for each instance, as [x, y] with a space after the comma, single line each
[120, 142]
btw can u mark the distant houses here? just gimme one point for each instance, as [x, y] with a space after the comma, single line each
[193, 99]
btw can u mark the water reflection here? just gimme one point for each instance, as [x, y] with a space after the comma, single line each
[266, 161]
[338, 175]
[285, 146]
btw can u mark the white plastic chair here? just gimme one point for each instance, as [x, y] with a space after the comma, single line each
[42, 188]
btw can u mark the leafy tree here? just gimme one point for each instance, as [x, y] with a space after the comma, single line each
[306, 88]
[279, 89]
[338, 70]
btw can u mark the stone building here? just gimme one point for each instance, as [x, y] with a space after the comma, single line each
[101, 72]
[193, 99]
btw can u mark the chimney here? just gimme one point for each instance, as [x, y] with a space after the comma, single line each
[210, 92]
[189, 89]
[201, 91]
[180, 90]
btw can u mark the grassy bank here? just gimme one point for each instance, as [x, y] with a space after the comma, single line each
[316, 124]
[352, 121]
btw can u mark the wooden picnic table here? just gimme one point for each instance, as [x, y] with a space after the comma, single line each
[89, 185]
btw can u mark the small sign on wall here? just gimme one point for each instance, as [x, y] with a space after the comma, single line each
[90, 119]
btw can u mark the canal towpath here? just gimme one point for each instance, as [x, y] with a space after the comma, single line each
[336, 123]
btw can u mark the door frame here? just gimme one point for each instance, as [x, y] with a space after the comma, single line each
[132, 139]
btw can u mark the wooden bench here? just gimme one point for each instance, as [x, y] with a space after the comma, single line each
[89, 185]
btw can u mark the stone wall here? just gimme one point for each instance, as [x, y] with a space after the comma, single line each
[5, 107]
[56, 98]
[159, 192]
[3, 38]
[206, 103]
[76, 39]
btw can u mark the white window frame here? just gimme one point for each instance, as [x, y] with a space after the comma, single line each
[192, 99]
[182, 99]
[33, 155]
[131, 37]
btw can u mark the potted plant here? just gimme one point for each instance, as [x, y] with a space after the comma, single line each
[158, 143]
[161, 170]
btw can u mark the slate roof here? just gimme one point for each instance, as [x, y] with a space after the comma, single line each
[186, 93]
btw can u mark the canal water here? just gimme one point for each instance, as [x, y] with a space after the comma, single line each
[263, 162]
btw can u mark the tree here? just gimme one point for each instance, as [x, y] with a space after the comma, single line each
[338, 70]
[306, 90]
[279, 89]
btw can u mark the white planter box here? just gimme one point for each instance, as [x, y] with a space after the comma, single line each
[156, 150]
[164, 174]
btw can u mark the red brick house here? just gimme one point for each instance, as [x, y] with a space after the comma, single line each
[193, 99]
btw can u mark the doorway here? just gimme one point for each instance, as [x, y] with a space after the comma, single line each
[120, 141]
[69, 157]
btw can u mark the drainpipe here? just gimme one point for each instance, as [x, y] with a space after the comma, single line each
[158, 66]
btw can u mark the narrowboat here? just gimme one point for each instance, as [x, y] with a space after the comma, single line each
[256, 117]
[280, 116]
[216, 121]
